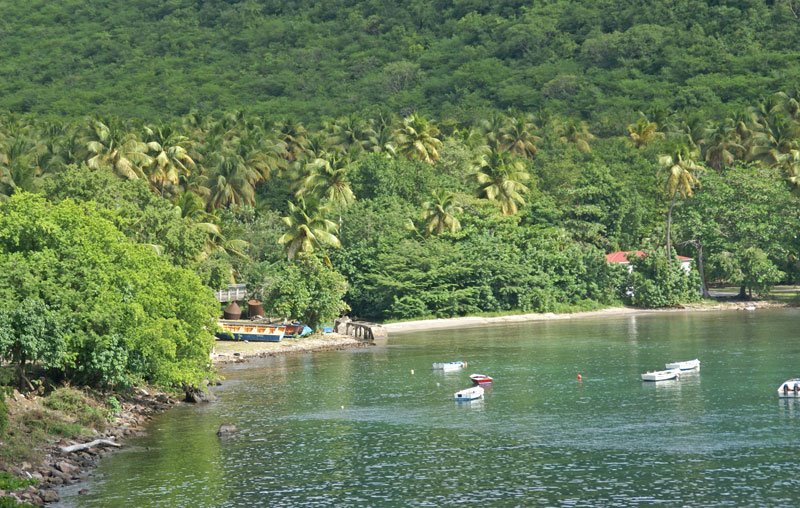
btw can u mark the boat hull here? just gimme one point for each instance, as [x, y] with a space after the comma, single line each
[449, 366]
[251, 332]
[684, 366]
[661, 375]
[789, 389]
[481, 379]
[474, 393]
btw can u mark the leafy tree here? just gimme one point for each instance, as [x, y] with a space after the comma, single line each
[304, 289]
[656, 282]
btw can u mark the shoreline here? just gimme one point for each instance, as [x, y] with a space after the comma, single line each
[58, 469]
[477, 321]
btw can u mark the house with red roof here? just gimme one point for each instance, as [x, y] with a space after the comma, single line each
[621, 258]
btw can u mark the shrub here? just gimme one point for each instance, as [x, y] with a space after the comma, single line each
[3, 413]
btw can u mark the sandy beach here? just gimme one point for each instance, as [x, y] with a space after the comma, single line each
[474, 321]
[227, 351]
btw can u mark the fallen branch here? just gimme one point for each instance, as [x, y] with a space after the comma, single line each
[91, 444]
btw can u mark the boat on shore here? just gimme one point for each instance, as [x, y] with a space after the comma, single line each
[661, 375]
[476, 392]
[245, 330]
[789, 388]
[684, 366]
[481, 379]
[449, 366]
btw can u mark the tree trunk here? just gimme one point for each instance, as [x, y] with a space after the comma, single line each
[701, 270]
[669, 231]
[743, 293]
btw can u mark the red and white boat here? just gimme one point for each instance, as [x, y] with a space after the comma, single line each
[481, 379]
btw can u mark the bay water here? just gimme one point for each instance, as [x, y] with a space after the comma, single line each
[378, 427]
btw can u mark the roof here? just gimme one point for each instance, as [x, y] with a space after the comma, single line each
[621, 256]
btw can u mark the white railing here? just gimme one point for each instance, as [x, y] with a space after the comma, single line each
[234, 293]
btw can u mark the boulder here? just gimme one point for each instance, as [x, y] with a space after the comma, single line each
[197, 395]
[227, 429]
[49, 495]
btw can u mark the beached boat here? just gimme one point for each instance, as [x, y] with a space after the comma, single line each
[661, 375]
[245, 330]
[292, 330]
[790, 388]
[476, 392]
[449, 366]
[684, 366]
[481, 379]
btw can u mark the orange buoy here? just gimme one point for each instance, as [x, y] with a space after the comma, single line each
[580, 378]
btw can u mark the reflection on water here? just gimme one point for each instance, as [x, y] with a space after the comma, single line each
[358, 429]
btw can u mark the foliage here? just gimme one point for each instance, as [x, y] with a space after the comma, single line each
[306, 290]
[745, 219]
[118, 312]
[3, 414]
[656, 282]
[75, 404]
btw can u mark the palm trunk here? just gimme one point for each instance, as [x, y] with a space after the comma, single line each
[701, 270]
[669, 231]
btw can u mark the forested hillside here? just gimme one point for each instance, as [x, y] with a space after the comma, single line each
[392, 159]
[602, 60]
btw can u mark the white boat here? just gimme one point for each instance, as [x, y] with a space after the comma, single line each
[476, 392]
[661, 375]
[790, 388]
[684, 366]
[449, 366]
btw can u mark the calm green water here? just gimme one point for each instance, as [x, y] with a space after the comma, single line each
[357, 428]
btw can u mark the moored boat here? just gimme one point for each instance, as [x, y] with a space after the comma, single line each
[790, 388]
[249, 331]
[476, 392]
[480, 379]
[684, 366]
[661, 375]
[449, 366]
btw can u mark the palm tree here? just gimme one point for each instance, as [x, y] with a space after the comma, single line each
[722, 145]
[775, 139]
[171, 159]
[439, 213]
[232, 182]
[517, 136]
[19, 163]
[111, 147]
[294, 136]
[327, 180]
[681, 180]
[643, 131]
[308, 229]
[501, 178]
[417, 139]
[381, 138]
[575, 132]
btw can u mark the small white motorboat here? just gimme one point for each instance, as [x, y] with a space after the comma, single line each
[449, 366]
[480, 379]
[476, 392]
[790, 388]
[661, 375]
[684, 366]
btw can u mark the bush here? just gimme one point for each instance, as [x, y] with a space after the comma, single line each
[77, 405]
[656, 283]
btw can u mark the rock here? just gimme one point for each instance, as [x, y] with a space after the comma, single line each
[66, 467]
[196, 395]
[142, 392]
[227, 429]
[49, 495]
[83, 492]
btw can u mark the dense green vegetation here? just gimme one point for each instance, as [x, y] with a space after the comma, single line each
[464, 59]
[400, 160]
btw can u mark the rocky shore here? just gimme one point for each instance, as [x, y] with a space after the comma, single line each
[59, 466]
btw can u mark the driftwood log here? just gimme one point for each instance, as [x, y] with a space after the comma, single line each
[90, 444]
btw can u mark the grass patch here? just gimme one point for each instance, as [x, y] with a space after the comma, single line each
[66, 413]
[11, 482]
